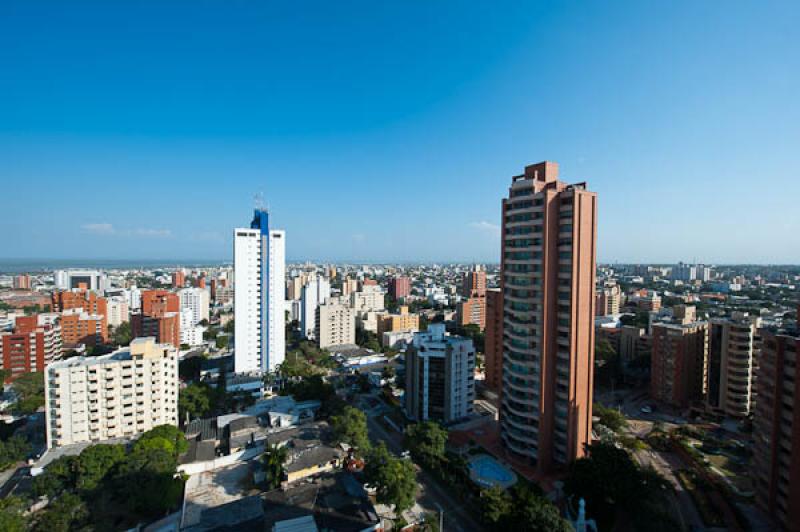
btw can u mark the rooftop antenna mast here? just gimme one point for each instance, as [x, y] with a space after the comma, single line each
[258, 199]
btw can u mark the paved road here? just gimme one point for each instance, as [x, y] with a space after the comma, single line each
[432, 495]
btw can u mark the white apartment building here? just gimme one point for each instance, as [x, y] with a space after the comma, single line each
[259, 296]
[370, 299]
[440, 381]
[335, 324]
[197, 301]
[316, 292]
[118, 312]
[191, 333]
[122, 394]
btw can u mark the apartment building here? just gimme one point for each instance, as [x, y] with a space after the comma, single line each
[776, 426]
[196, 300]
[493, 357]
[679, 360]
[79, 327]
[335, 324]
[159, 317]
[549, 239]
[608, 300]
[472, 311]
[30, 346]
[122, 394]
[117, 311]
[733, 345]
[440, 370]
[402, 321]
[399, 287]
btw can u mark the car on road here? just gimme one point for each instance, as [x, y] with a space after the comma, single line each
[646, 409]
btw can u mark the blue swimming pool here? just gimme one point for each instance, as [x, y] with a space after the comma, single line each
[486, 471]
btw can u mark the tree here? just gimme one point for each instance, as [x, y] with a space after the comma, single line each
[394, 479]
[222, 341]
[496, 505]
[634, 491]
[167, 437]
[534, 513]
[12, 515]
[147, 482]
[194, 401]
[351, 427]
[13, 450]
[95, 462]
[60, 475]
[609, 417]
[30, 389]
[426, 441]
[68, 512]
[123, 334]
[273, 460]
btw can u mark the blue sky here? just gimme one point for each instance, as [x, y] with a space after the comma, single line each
[390, 130]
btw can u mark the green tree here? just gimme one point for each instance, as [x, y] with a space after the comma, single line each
[12, 515]
[13, 450]
[30, 389]
[95, 462]
[609, 417]
[534, 513]
[123, 334]
[394, 479]
[194, 401]
[147, 482]
[68, 512]
[273, 460]
[59, 475]
[426, 441]
[167, 437]
[634, 490]
[222, 342]
[351, 427]
[496, 506]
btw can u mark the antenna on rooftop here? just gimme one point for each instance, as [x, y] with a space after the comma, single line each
[258, 200]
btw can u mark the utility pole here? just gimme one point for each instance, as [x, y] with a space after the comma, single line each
[441, 517]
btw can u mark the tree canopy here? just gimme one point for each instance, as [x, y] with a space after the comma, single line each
[426, 441]
[351, 427]
[394, 478]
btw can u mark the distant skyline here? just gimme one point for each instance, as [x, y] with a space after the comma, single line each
[390, 132]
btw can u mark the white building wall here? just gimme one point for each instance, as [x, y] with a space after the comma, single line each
[197, 301]
[277, 300]
[247, 300]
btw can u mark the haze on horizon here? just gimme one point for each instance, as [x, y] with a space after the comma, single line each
[393, 135]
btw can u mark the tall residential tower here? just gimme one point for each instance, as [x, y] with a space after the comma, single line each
[548, 279]
[259, 269]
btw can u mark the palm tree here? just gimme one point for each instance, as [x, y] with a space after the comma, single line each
[273, 459]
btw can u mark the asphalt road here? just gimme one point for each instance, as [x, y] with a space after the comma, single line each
[432, 495]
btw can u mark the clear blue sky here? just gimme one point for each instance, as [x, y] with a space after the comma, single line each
[390, 130]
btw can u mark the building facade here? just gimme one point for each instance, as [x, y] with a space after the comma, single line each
[776, 426]
[93, 280]
[196, 300]
[679, 359]
[122, 394]
[472, 311]
[315, 292]
[399, 287]
[402, 321]
[259, 296]
[493, 357]
[335, 324]
[733, 345]
[549, 236]
[440, 383]
[31, 345]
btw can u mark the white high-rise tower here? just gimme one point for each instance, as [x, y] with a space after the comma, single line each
[259, 261]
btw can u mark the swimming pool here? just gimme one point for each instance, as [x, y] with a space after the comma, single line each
[485, 471]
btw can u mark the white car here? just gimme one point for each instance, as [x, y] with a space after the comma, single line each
[646, 409]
